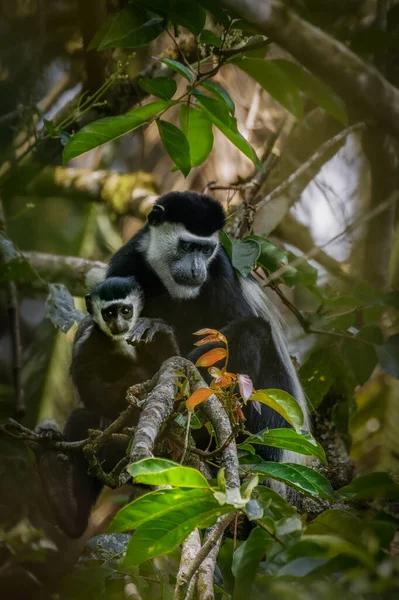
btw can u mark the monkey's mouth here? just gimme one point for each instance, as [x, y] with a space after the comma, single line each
[188, 280]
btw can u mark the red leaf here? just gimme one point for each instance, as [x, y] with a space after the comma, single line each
[197, 397]
[211, 357]
[246, 387]
[207, 340]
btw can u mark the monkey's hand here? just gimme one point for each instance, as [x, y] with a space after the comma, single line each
[48, 430]
[146, 329]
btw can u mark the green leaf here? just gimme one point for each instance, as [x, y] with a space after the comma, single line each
[131, 28]
[330, 546]
[99, 35]
[163, 87]
[274, 81]
[274, 506]
[167, 529]
[317, 376]
[368, 487]
[208, 37]
[176, 145]
[159, 471]
[283, 403]
[220, 93]
[151, 506]
[104, 130]
[351, 527]
[219, 115]
[301, 478]
[176, 66]
[388, 355]
[361, 357]
[198, 130]
[271, 257]
[189, 15]
[315, 89]
[216, 10]
[242, 255]
[303, 272]
[246, 560]
[289, 440]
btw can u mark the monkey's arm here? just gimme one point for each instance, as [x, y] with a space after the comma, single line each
[156, 341]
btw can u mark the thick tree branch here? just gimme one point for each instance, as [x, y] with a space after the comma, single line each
[359, 83]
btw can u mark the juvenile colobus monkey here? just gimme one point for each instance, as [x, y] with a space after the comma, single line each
[189, 282]
[103, 367]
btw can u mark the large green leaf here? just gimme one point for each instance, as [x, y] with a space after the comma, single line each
[208, 37]
[132, 27]
[159, 471]
[198, 130]
[176, 145]
[361, 357]
[274, 506]
[315, 89]
[104, 130]
[150, 506]
[246, 560]
[288, 439]
[178, 67]
[388, 355]
[161, 534]
[368, 487]
[283, 403]
[220, 93]
[218, 113]
[274, 81]
[188, 14]
[163, 87]
[271, 257]
[303, 479]
[242, 255]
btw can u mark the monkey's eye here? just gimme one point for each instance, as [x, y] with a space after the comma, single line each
[207, 250]
[126, 311]
[108, 314]
[185, 246]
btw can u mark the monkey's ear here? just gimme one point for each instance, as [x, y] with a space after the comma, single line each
[89, 303]
[157, 215]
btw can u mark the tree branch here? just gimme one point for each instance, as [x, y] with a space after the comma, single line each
[358, 83]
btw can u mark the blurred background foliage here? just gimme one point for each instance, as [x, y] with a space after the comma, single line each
[92, 205]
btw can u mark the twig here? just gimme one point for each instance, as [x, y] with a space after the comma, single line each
[183, 582]
[190, 548]
[206, 571]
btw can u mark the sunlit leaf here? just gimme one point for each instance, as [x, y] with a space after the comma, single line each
[104, 130]
[245, 386]
[198, 130]
[274, 81]
[215, 336]
[206, 332]
[159, 471]
[176, 145]
[176, 66]
[198, 397]
[288, 439]
[283, 403]
[163, 87]
[211, 357]
[301, 478]
[166, 521]
[315, 89]
[209, 339]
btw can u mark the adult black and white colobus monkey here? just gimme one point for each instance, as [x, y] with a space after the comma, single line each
[103, 367]
[189, 282]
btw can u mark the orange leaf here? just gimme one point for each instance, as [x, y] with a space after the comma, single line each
[206, 332]
[207, 340]
[224, 381]
[211, 357]
[197, 397]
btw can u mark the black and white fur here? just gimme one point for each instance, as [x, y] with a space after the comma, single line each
[103, 367]
[191, 290]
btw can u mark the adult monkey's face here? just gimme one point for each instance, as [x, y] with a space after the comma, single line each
[180, 258]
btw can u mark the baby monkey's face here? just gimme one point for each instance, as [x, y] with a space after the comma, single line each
[118, 318]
